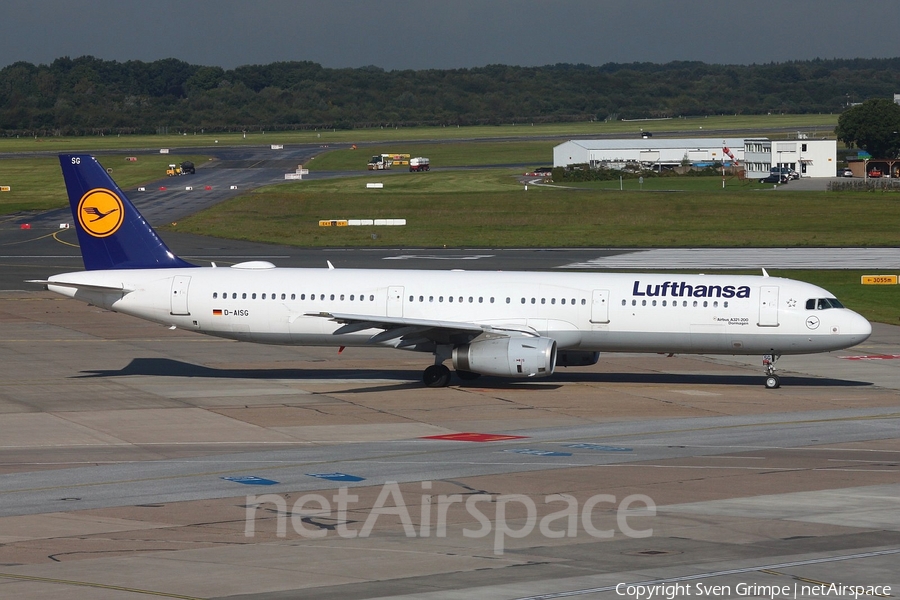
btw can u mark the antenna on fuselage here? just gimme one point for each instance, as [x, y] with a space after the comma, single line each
[765, 273]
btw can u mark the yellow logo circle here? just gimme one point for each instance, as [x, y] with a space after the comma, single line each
[101, 213]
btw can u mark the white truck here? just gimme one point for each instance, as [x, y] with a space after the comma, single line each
[419, 163]
[380, 162]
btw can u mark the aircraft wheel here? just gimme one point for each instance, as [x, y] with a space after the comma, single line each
[436, 376]
[773, 382]
[467, 375]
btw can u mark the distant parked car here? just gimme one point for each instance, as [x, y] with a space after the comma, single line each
[875, 173]
[789, 173]
[775, 178]
[846, 173]
[540, 172]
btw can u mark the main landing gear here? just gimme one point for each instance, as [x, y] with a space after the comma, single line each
[436, 376]
[772, 380]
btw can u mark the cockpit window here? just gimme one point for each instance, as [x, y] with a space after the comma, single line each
[823, 303]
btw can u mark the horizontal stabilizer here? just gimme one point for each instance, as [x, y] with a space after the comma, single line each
[82, 286]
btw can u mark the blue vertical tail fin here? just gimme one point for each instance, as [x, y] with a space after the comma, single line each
[111, 231]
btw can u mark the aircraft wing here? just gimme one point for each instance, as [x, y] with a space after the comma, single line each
[415, 331]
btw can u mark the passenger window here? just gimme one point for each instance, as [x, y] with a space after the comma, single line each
[725, 304]
[523, 300]
[715, 304]
[293, 296]
[663, 302]
[695, 304]
[634, 302]
[654, 303]
[410, 298]
[440, 298]
[643, 303]
[543, 301]
[705, 304]
[532, 300]
[421, 298]
[583, 301]
[215, 295]
[450, 299]
[234, 295]
[263, 296]
[562, 301]
[371, 297]
[471, 300]
[244, 296]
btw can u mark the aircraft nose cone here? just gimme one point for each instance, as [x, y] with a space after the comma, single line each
[860, 327]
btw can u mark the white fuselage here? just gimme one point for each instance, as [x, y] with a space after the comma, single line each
[626, 312]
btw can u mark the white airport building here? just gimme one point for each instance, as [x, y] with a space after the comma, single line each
[810, 158]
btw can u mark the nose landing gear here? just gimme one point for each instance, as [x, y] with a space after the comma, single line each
[772, 380]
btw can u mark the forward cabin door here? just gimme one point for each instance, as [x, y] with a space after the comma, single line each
[395, 301]
[600, 306]
[768, 306]
[180, 285]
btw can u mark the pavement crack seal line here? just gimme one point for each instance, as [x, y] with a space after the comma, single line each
[815, 581]
[101, 586]
[711, 574]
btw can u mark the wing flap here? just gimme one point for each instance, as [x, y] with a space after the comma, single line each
[413, 331]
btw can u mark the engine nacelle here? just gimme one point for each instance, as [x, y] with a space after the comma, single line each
[576, 358]
[508, 357]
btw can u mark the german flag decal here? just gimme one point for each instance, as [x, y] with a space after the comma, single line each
[217, 312]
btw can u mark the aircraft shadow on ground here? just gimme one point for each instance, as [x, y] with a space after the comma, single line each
[165, 367]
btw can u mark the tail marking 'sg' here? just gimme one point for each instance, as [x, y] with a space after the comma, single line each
[111, 232]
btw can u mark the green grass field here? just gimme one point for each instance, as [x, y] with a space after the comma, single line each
[457, 154]
[37, 183]
[819, 124]
[483, 208]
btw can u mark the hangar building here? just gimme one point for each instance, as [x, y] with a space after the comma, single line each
[810, 158]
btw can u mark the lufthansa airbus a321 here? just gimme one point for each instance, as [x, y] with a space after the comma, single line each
[507, 324]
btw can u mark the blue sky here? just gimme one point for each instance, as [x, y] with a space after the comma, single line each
[424, 34]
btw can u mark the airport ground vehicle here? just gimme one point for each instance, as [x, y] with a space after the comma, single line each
[185, 168]
[419, 163]
[380, 162]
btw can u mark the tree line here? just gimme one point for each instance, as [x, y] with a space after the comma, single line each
[87, 95]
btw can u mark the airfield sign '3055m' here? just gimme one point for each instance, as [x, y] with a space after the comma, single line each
[515, 324]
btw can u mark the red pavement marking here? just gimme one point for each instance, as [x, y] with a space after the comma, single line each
[873, 357]
[474, 437]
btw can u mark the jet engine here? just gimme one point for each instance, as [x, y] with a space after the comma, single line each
[507, 357]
